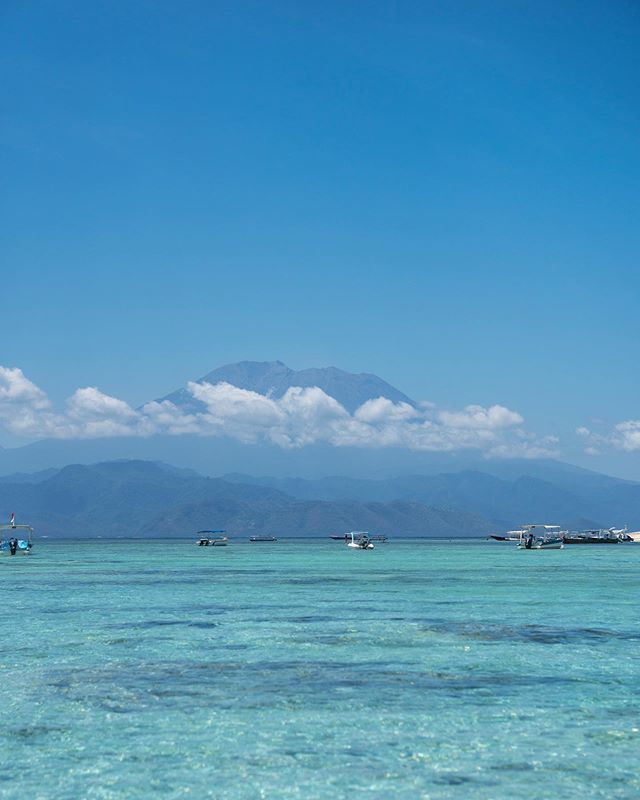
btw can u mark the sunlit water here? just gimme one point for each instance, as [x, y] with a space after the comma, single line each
[306, 670]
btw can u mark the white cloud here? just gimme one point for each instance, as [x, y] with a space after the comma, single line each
[623, 436]
[239, 413]
[167, 417]
[382, 409]
[24, 408]
[480, 418]
[16, 388]
[627, 435]
[593, 443]
[90, 403]
[302, 416]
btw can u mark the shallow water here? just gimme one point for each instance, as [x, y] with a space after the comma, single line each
[306, 670]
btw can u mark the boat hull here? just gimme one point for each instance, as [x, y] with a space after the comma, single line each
[23, 548]
[212, 543]
[505, 538]
[557, 545]
[591, 540]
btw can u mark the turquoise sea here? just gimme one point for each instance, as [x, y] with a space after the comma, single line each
[302, 669]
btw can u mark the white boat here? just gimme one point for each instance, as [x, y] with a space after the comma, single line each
[15, 539]
[359, 540]
[344, 537]
[212, 539]
[541, 537]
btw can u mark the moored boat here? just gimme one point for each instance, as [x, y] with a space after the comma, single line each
[541, 537]
[212, 539]
[15, 539]
[598, 536]
[359, 540]
[345, 537]
[263, 539]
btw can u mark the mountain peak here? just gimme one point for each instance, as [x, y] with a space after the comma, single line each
[275, 377]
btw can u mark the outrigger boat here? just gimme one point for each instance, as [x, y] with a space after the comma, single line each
[359, 540]
[600, 536]
[10, 544]
[553, 532]
[344, 537]
[212, 539]
[541, 537]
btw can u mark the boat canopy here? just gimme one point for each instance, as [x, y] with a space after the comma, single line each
[13, 527]
[538, 525]
[11, 531]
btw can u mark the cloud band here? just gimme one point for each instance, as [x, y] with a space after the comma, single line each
[301, 417]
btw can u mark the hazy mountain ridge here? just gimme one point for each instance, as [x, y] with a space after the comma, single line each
[321, 518]
[136, 498]
[571, 500]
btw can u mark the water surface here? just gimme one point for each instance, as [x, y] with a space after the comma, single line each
[303, 669]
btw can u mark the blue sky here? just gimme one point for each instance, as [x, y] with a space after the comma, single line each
[444, 194]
